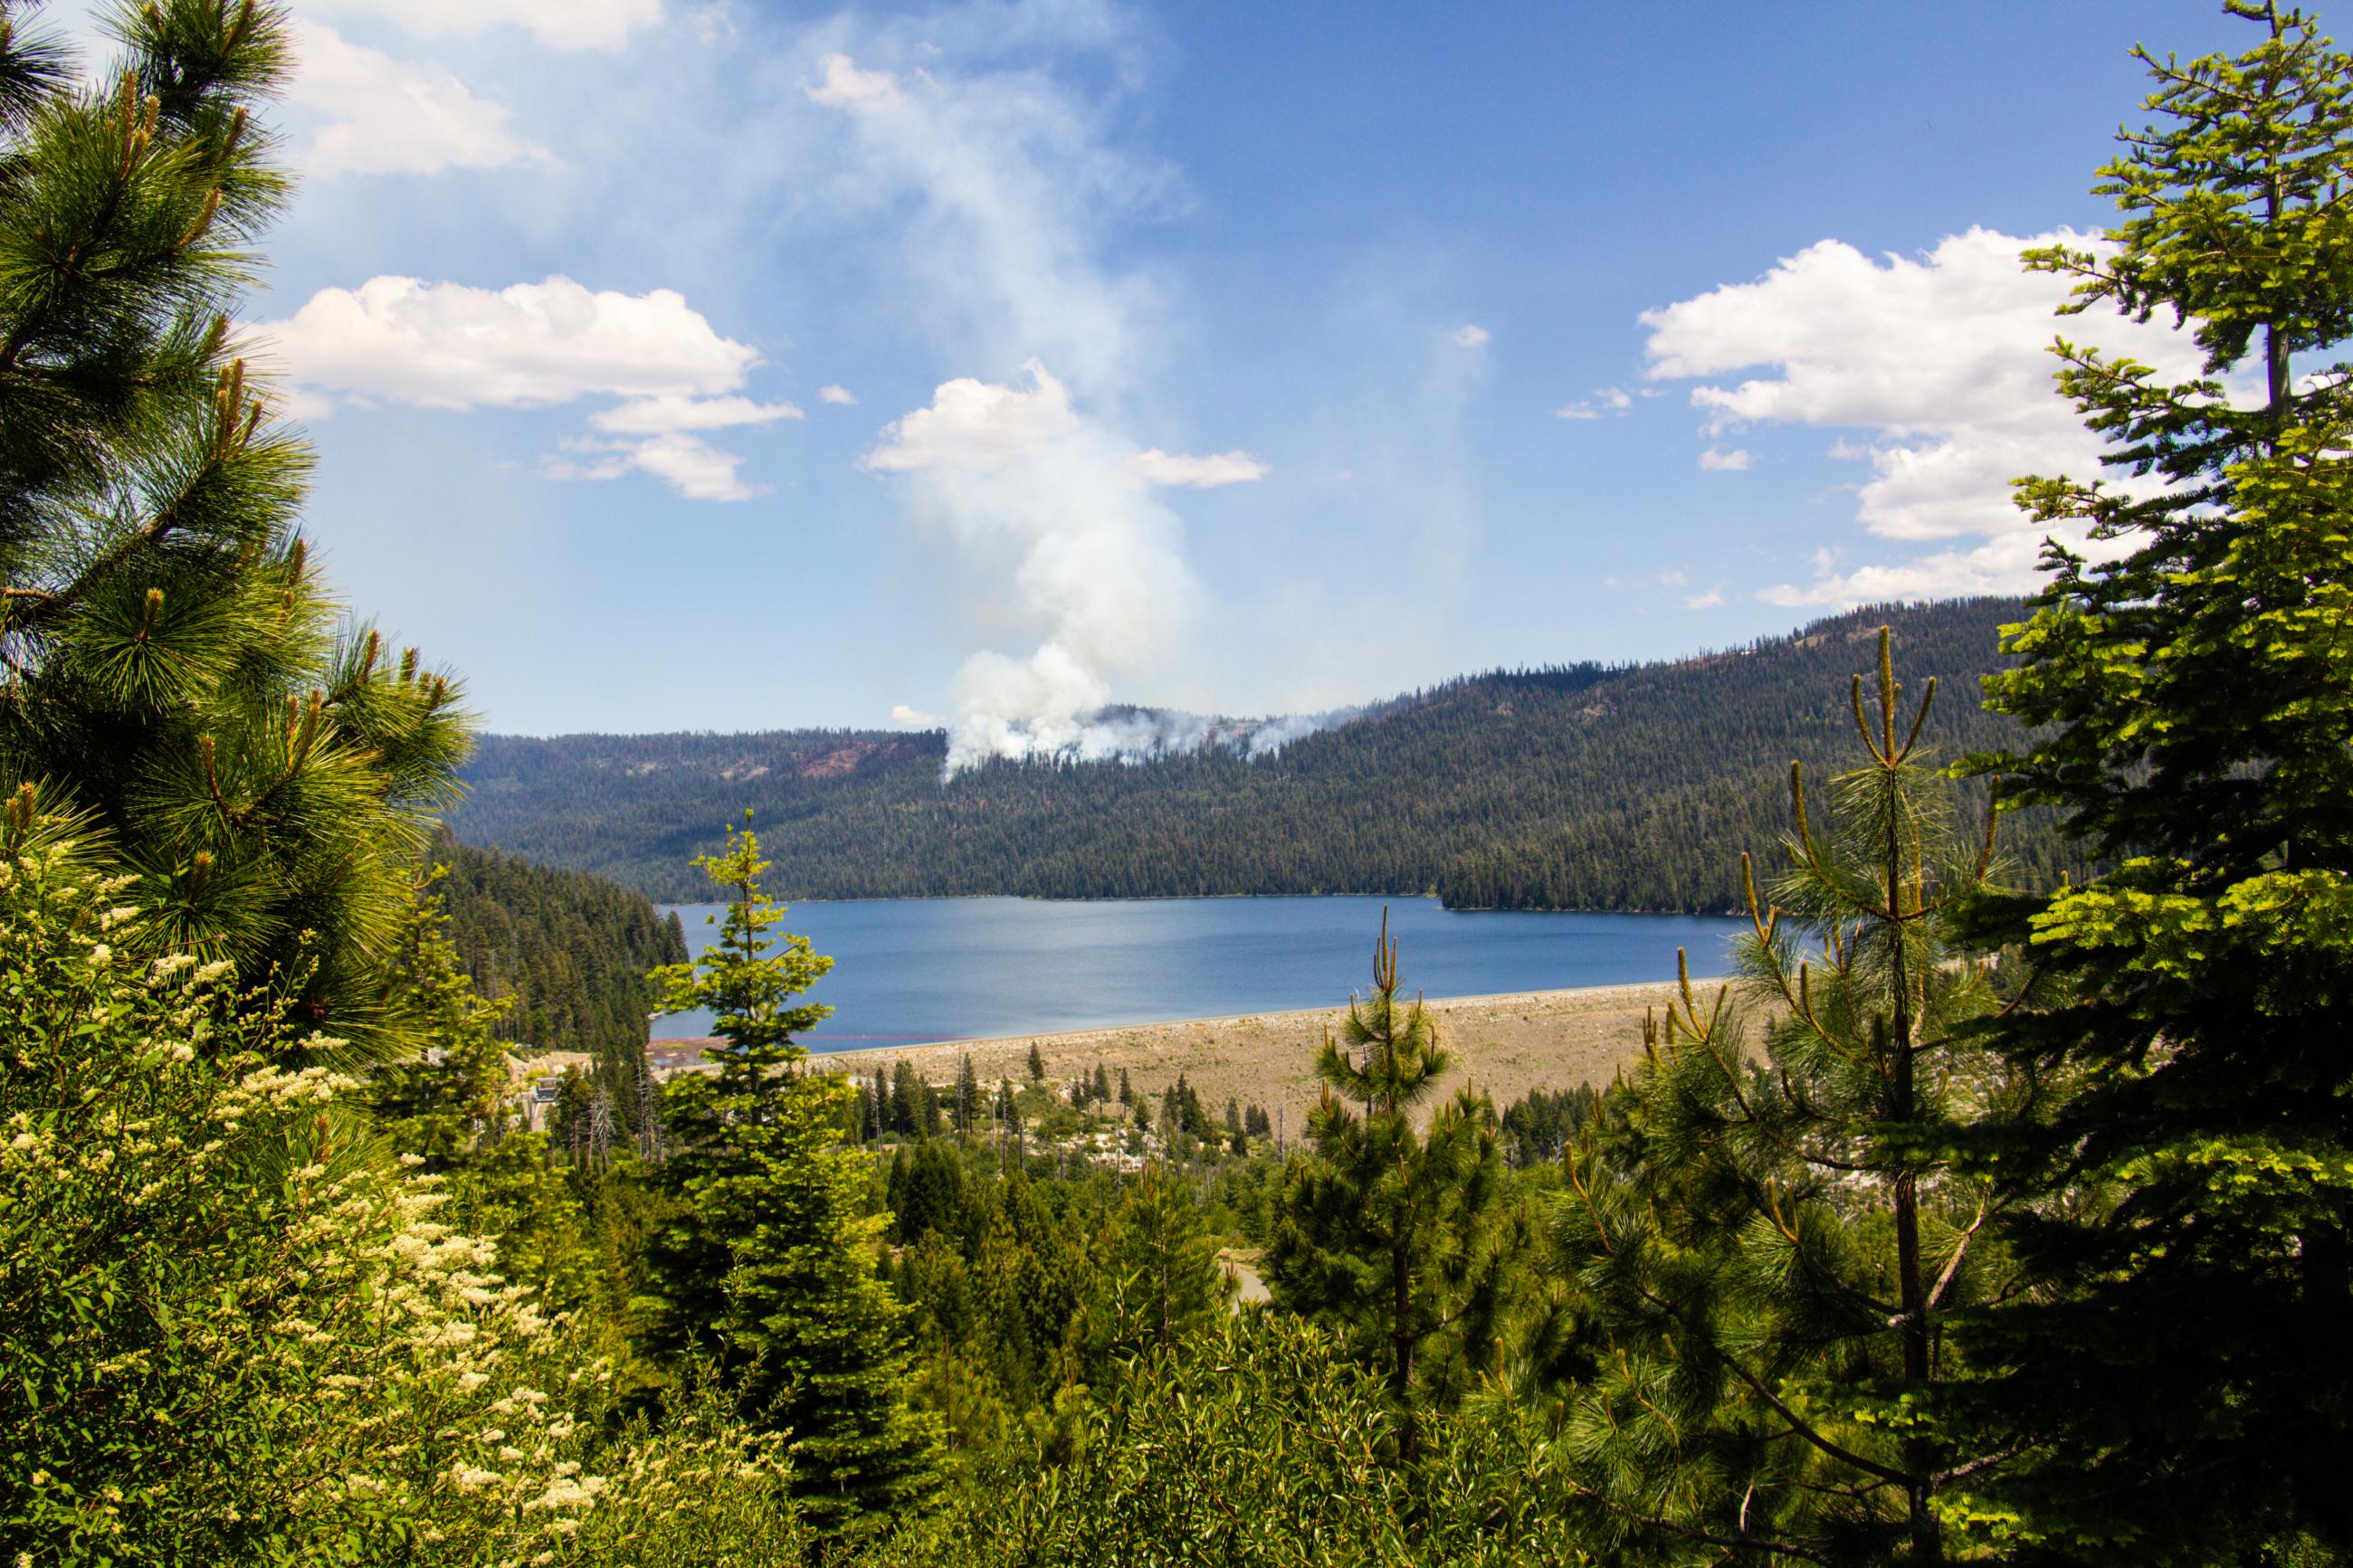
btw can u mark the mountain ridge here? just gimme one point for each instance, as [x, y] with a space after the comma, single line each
[1588, 786]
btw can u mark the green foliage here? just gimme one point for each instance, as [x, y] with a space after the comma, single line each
[439, 1103]
[1388, 1229]
[1258, 1441]
[1777, 1252]
[769, 1260]
[1161, 1279]
[176, 669]
[238, 1333]
[1588, 787]
[2186, 1366]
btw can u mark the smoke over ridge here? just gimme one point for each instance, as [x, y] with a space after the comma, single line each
[1123, 733]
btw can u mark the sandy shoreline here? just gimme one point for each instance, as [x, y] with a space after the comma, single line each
[1506, 1044]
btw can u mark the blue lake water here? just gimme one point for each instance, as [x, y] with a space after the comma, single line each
[942, 969]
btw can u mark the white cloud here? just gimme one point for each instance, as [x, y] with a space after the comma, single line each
[1939, 362]
[903, 714]
[1608, 400]
[1712, 599]
[688, 464]
[1471, 336]
[671, 413]
[859, 91]
[840, 394]
[694, 468]
[1718, 460]
[447, 346]
[977, 426]
[1158, 467]
[560, 24]
[389, 118]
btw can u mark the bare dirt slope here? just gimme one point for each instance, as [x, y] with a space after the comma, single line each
[1504, 1044]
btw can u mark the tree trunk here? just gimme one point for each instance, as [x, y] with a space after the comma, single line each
[1919, 1457]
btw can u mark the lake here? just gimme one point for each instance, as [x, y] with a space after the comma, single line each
[942, 969]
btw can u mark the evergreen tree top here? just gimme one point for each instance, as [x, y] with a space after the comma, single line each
[1392, 1059]
[746, 978]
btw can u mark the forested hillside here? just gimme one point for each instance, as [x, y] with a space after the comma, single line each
[570, 949]
[1585, 786]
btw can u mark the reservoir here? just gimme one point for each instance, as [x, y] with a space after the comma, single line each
[912, 969]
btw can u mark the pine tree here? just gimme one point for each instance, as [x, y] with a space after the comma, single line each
[1775, 1251]
[771, 1264]
[1103, 1085]
[1036, 1064]
[1387, 1230]
[1161, 1277]
[1126, 1091]
[450, 1097]
[968, 1097]
[2189, 1363]
[174, 669]
[906, 1101]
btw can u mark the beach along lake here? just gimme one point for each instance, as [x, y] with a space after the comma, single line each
[916, 970]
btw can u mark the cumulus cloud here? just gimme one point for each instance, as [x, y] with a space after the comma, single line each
[977, 426]
[1158, 467]
[450, 346]
[840, 394]
[1938, 362]
[859, 91]
[560, 24]
[1718, 460]
[1471, 336]
[385, 116]
[688, 464]
[1712, 599]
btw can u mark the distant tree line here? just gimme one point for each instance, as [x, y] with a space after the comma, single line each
[1586, 786]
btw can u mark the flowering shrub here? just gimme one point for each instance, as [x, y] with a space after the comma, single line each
[231, 1330]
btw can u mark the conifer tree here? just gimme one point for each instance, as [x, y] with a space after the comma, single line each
[1774, 1250]
[968, 1097]
[174, 667]
[771, 1263]
[1161, 1278]
[450, 1097]
[1383, 1228]
[1036, 1064]
[2189, 1364]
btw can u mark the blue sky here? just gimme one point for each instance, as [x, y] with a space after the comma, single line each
[1244, 358]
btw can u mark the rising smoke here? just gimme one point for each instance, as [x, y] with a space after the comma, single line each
[1000, 182]
[1061, 529]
